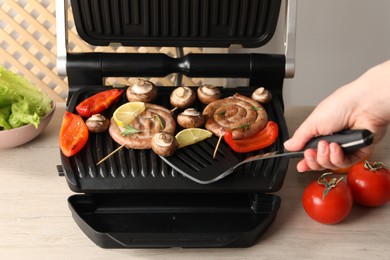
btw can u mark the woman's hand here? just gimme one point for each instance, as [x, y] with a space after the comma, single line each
[361, 104]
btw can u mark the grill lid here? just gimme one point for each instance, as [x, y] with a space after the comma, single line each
[177, 23]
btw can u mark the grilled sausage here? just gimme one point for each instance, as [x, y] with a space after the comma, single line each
[240, 114]
[153, 120]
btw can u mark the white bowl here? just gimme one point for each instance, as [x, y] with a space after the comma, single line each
[21, 135]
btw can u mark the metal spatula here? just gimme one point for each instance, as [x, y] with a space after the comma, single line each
[196, 161]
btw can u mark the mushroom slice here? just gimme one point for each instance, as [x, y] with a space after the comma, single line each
[142, 91]
[262, 95]
[182, 97]
[208, 93]
[164, 144]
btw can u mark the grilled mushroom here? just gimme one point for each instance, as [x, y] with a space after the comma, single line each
[164, 144]
[262, 95]
[190, 118]
[97, 123]
[142, 91]
[182, 97]
[208, 93]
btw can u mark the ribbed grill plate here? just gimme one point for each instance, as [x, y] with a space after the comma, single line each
[189, 23]
[142, 170]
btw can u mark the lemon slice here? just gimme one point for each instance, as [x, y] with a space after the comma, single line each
[126, 113]
[191, 136]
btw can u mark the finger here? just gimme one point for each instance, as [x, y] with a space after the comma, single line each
[311, 160]
[323, 155]
[337, 157]
[301, 136]
[302, 166]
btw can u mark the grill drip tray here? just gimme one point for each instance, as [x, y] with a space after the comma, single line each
[174, 220]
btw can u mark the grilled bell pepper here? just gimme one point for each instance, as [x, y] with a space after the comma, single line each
[73, 134]
[99, 102]
[262, 139]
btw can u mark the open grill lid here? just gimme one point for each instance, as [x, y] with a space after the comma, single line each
[178, 23]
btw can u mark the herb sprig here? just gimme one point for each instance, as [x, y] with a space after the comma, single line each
[129, 130]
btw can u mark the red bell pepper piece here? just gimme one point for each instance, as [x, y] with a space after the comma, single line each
[99, 102]
[73, 134]
[262, 139]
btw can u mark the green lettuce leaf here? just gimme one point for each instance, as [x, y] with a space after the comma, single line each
[23, 113]
[4, 115]
[28, 104]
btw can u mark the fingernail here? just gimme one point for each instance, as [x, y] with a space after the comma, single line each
[321, 148]
[333, 148]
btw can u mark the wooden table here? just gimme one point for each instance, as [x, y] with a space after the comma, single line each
[35, 222]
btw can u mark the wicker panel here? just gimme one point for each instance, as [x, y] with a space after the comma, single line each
[28, 46]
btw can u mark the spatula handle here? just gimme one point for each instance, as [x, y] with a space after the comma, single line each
[349, 140]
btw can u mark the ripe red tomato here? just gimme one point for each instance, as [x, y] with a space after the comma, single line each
[369, 183]
[328, 200]
[73, 134]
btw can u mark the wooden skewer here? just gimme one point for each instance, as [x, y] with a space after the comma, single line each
[217, 146]
[173, 109]
[110, 154]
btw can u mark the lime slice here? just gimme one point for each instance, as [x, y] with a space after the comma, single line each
[126, 113]
[191, 136]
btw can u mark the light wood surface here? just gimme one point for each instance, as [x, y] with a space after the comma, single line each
[35, 222]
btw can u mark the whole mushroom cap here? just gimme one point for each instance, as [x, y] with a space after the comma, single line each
[97, 123]
[208, 93]
[182, 97]
[190, 118]
[164, 144]
[262, 95]
[142, 91]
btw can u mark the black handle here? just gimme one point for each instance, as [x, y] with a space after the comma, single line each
[350, 140]
[211, 65]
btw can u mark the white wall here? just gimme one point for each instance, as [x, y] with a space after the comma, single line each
[336, 41]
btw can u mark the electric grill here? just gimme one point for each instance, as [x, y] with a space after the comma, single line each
[135, 199]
